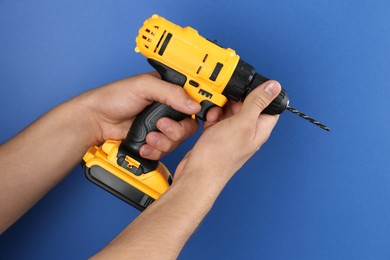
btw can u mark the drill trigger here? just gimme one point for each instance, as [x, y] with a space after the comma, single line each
[206, 105]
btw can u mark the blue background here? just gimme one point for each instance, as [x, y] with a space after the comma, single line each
[307, 194]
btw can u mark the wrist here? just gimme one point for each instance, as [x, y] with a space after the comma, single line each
[202, 178]
[80, 120]
[210, 163]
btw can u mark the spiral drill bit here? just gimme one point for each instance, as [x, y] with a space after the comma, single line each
[281, 102]
[311, 120]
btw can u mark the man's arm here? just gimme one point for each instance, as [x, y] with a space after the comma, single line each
[40, 156]
[161, 231]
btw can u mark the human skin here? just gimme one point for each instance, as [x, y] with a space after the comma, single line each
[162, 230]
[71, 128]
[231, 136]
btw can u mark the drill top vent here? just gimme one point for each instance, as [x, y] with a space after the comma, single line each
[203, 67]
[151, 35]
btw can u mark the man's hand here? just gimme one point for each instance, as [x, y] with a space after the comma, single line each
[234, 134]
[111, 110]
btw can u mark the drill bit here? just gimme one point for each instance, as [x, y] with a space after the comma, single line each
[311, 120]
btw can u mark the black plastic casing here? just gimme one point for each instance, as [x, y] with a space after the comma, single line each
[118, 187]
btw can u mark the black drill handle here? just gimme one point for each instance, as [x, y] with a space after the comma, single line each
[144, 123]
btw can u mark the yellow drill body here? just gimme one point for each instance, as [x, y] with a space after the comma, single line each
[190, 54]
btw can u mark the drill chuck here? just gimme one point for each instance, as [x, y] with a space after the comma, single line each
[278, 105]
[242, 77]
[245, 79]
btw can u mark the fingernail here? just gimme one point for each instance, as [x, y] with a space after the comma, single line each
[271, 88]
[191, 104]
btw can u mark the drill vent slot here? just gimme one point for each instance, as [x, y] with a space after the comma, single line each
[146, 39]
[151, 32]
[159, 41]
[148, 36]
[203, 61]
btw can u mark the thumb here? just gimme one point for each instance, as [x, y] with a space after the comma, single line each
[259, 99]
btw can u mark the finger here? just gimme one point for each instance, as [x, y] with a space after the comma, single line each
[235, 107]
[213, 116]
[216, 114]
[160, 142]
[177, 131]
[154, 89]
[172, 134]
[149, 152]
[259, 99]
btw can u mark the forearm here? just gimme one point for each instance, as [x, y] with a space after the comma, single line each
[161, 231]
[38, 158]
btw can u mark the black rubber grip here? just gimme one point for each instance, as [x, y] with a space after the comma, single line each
[146, 121]
[143, 124]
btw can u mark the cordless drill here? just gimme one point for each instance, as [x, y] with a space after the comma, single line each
[208, 73]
